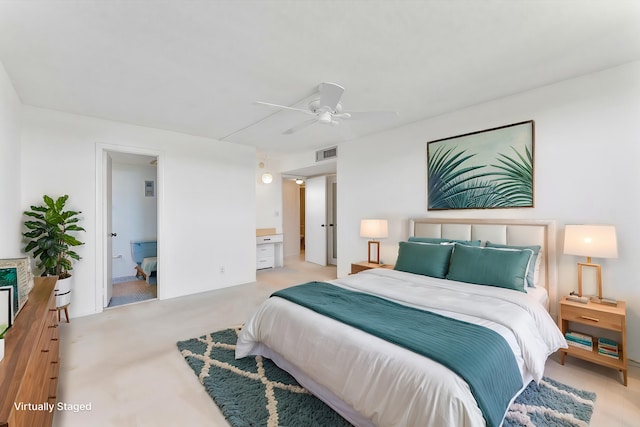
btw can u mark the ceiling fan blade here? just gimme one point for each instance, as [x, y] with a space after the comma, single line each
[330, 94]
[368, 115]
[300, 126]
[282, 107]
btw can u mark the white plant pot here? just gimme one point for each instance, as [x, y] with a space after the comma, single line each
[1, 349]
[63, 292]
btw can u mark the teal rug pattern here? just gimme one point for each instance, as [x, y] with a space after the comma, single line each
[552, 404]
[254, 392]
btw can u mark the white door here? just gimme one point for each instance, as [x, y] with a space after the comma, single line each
[109, 249]
[315, 234]
[332, 214]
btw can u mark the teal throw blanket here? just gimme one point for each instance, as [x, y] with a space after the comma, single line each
[477, 354]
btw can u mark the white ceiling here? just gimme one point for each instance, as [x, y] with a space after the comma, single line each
[197, 66]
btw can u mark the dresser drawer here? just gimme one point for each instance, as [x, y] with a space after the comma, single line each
[586, 316]
[265, 251]
[272, 238]
[264, 262]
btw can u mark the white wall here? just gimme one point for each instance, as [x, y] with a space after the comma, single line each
[587, 149]
[268, 196]
[206, 199]
[133, 215]
[10, 207]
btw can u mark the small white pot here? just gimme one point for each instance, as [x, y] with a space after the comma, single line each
[1, 349]
[63, 292]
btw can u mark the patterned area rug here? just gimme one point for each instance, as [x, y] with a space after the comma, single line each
[253, 391]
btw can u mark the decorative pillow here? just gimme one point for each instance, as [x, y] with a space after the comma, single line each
[424, 258]
[505, 268]
[439, 240]
[534, 262]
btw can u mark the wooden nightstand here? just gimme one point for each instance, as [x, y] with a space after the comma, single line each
[599, 316]
[364, 265]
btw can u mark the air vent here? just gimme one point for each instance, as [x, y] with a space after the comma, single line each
[327, 153]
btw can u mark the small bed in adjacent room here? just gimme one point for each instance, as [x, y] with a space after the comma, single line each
[144, 254]
[450, 337]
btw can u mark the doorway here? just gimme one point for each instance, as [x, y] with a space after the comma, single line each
[302, 192]
[320, 214]
[302, 202]
[129, 212]
[134, 214]
[332, 215]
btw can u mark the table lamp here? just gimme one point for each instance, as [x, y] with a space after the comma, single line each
[591, 240]
[374, 229]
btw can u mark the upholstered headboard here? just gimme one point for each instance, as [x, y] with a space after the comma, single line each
[503, 231]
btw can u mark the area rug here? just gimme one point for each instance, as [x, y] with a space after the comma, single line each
[253, 391]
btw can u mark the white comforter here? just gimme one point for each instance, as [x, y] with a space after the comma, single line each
[372, 382]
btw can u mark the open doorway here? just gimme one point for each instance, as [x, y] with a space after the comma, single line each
[302, 216]
[309, 219]
[310, 213]
[132, 212]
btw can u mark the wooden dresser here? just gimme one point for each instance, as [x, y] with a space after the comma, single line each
[29, 370]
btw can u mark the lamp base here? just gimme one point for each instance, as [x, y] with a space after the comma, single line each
[604, 301]
[598, 273]
[374, 252]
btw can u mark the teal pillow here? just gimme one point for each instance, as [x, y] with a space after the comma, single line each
[503, 268]
[424, 258]
[439, 240]
[535, 251]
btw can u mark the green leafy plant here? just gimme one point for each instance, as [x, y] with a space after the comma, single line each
[49, 236]
[452, 185]
[3, 329]
[516, 177]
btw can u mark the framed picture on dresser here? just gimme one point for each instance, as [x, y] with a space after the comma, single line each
[16, 274]
[6, 306]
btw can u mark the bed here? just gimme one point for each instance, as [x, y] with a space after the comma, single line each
[373, 379]
[144, 254]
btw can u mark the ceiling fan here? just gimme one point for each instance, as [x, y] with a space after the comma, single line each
[328, 110]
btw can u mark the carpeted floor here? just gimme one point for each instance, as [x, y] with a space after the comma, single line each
[253, 391]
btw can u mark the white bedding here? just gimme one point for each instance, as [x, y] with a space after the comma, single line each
[372, 382]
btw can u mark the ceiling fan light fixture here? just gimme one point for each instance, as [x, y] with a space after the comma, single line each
[327, 109]
[325, 117]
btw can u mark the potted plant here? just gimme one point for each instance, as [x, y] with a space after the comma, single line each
[51, 242]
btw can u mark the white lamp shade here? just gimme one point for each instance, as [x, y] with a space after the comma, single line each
[591, 240]
[374, 228]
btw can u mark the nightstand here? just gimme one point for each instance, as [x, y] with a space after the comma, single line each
[357, 267]
[600, 316]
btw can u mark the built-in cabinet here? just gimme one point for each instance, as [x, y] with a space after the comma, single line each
[269, 251]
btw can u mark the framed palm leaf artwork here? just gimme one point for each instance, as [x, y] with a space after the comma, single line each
[488, 169]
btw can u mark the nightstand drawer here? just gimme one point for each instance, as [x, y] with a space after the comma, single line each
[587, 316]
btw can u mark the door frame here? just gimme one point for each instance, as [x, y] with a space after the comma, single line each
[103, 258]
[332, 214]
